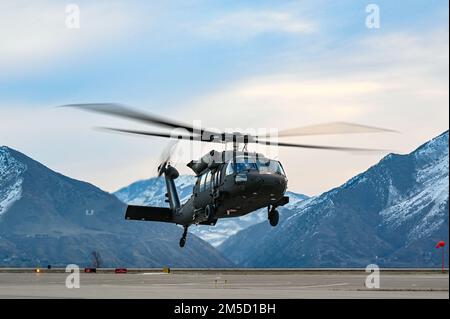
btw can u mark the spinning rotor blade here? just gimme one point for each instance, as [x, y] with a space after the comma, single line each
[270, 143]
[220, 137]
[166, 155]
[123, 111]
[172, 135]
[332, 128]
[157, 134]
[322, 147]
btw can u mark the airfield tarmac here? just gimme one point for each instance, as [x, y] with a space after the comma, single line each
[225, 284]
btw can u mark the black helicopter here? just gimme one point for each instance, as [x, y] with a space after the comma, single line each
[229, 183]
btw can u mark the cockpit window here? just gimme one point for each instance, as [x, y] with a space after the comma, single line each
[263, 166]
[270, 167]
[245, 166]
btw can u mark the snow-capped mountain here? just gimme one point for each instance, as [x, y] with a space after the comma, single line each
[48, 218]
[392, 215]
[151, 192]
[10, 179]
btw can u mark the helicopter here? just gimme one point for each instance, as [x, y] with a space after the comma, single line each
[229, 183]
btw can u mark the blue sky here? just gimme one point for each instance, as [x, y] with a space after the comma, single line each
[163, 56]
[279, 63]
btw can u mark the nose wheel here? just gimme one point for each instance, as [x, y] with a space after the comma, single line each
[273, 216]
[183, 238]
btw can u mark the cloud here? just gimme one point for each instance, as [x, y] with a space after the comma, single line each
[246, 24]
[397, 81]
[34, 33]
[403, 67]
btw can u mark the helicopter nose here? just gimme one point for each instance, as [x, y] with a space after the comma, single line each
[273, 185]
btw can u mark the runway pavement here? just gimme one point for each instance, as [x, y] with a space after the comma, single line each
[206, 284]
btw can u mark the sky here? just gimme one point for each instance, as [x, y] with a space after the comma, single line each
[229, 64]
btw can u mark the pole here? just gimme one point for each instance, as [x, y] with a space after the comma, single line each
[443, 260]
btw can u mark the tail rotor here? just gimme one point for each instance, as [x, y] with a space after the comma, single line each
[165, 157]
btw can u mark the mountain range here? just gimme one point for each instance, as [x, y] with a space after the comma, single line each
[391, 215]
[48, 218]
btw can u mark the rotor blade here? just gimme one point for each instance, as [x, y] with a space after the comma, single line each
[270, 143]
[146, 133]
[332, 128]
[166, 154]
[123, 111]
[161, 134]
[321, 147]
[222, 138]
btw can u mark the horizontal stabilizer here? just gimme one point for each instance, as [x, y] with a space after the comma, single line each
[146, 213]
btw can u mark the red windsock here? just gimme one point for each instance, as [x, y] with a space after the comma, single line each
[440, 244]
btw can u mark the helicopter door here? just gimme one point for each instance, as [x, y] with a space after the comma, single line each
[204, 192]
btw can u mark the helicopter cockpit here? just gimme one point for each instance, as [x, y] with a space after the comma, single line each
[262, 166]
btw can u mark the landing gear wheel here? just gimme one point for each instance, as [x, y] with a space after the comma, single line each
[183, 238]
[274, 216]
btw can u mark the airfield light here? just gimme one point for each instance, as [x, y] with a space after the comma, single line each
[121, 270]
[441, 245]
